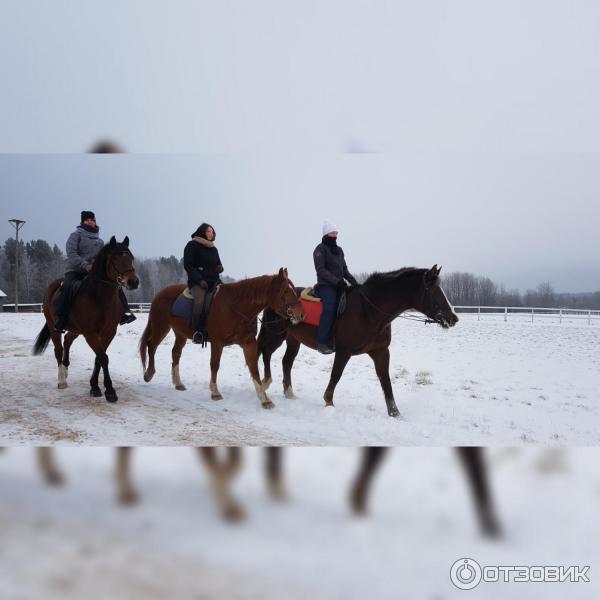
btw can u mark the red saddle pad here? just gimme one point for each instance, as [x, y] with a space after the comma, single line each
[312, 312]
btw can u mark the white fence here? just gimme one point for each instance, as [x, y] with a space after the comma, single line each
[504, 312]
[530, 313]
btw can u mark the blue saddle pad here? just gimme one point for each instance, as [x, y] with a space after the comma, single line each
[182, 307]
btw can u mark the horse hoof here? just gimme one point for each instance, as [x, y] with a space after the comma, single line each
[54, 479]
[181, 388]
[329, 403]
[129, 498]
[266, 383]
[216, 397]
[394, 413]
[96, 393]
[111, 396]
[289, 393]
[234, 513]
[148, 376]
[62, 386]
[268, 405]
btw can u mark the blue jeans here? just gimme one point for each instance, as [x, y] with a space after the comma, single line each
[329, 299]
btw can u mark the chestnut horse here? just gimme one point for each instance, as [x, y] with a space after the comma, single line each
[95, 313]
[364, 327]
[231, 320]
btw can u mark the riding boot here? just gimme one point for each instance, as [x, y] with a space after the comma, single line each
[127, 316]
[64, 303]
[198, 316]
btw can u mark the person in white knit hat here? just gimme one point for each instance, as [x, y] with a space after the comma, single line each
[332, 274]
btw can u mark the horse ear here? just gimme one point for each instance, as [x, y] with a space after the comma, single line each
[431, 276]
[126, 241]
[113, 241]
[282, 273]
[285, 273]
[439, 270]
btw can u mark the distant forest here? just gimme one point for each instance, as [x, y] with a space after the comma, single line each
[40, 263]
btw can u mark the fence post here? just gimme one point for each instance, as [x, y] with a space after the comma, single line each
[589, 317]
[532, 315]
[505, 313]
[560, 316]
[479, 313]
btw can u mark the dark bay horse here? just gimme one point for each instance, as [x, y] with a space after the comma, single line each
[364, 327]
[231, 320]
[475, 467]
[95, 313]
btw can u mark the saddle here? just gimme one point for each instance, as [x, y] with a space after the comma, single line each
[313, 308]
[184, 303]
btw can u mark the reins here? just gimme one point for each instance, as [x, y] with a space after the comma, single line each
[392, 316]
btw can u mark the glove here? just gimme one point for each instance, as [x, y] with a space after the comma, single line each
[204, 285]
[219, 269]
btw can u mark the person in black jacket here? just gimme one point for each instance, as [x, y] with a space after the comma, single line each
[332, 274]
[203, 265]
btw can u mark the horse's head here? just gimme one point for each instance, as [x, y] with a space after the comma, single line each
[119, 264]
[284, 300]
[434, 302]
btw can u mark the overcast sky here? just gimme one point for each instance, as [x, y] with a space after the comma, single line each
[474, 125]
[517, 219]
[311, 75]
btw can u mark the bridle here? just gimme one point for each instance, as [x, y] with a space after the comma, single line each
[118, 281]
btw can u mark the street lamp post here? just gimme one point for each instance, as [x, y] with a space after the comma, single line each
[17, 224]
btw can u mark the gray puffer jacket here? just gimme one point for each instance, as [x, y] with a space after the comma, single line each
[82, 248]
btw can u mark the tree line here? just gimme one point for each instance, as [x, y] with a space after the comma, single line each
[40, 263]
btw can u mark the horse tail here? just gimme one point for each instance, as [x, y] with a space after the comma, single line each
[146, 337]
[41, 341]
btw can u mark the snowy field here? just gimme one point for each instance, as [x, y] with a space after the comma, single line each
[484, 383]
[74, 541]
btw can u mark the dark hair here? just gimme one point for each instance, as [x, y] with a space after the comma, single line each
[201, 231]
[106, 147]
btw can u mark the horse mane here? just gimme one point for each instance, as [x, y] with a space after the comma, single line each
[253, 289]
[378, 278]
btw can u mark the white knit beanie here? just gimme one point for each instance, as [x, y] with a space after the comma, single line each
[328, 227]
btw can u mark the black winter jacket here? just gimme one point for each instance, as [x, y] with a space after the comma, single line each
[331, 268]
[202, 262]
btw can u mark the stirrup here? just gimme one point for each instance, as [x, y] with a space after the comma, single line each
[198, 338]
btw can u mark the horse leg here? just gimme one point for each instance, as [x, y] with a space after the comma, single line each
[371, 460]
[109, 391]
[158, 332]
[215, 360]
[221, 474]
[339, 363]
[250, 354]
[273, 470]
[48, 467]
[94, 389]
[291, 351]
[180, 341]
[267, 342]
[472, 460]
[58, 354]
[63, 370]
[381, 358]
[126, 491]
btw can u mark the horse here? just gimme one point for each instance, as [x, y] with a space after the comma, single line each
[475, 467]
[231, 320]
[364, 326]
[95, 314]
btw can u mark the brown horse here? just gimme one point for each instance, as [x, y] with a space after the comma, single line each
[364, 327]
[231, 320]
[95, 313]
[475, 467]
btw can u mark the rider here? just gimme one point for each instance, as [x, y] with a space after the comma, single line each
[331, 272]
[82, 247]
[203, 265]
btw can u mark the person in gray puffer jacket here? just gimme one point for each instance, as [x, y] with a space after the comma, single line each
[83, 246]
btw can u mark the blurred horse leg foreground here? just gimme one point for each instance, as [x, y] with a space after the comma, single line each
[475, 468]
[222, 471]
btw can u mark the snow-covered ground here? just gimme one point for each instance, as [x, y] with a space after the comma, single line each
[74, 542]
[484, 383]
